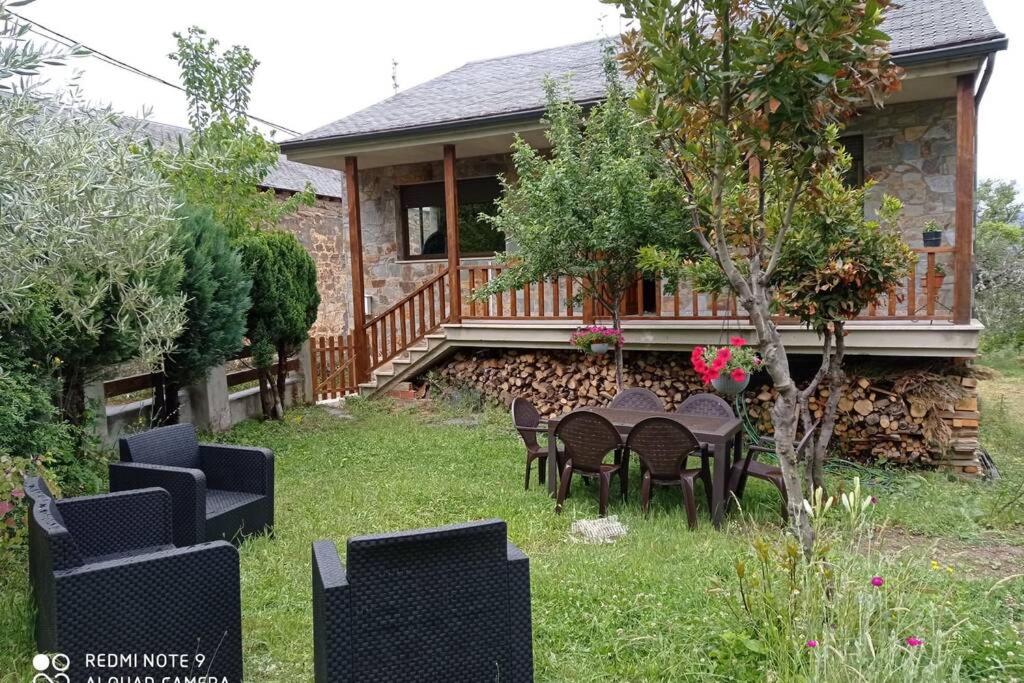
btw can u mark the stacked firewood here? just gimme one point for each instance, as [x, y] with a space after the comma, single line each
[903, 416]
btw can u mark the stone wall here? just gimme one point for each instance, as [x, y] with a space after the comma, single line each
[323, 231]
[910, 151]
[388, 277]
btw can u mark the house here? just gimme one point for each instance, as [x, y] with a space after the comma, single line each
[315, 226]
[419, 166]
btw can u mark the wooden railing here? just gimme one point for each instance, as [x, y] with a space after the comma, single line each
[921, 297]
[421, 312]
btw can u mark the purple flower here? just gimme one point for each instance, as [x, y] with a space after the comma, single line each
[812, 643]
[877, 581]
[874, 501]
[914, 641]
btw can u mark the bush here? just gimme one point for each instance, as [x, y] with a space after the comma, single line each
[34, 441]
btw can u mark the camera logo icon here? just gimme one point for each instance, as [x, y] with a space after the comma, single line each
[51, 668]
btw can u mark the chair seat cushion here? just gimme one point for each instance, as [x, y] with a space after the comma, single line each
[92, 559]
[233, 514]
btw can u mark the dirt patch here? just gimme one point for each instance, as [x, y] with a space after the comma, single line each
[987, 559]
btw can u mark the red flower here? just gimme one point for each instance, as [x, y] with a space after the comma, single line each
[725, 353]
[738, 375]
[738, 342]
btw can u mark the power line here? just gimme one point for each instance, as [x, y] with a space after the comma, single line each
[113, 61]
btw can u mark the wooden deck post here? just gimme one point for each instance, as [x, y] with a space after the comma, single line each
[966, 141]
[451, 210]
[355, 245]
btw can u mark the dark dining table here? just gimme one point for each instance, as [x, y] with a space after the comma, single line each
[722, 435]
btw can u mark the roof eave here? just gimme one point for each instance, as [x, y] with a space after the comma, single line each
[944, 53]
[947, 52]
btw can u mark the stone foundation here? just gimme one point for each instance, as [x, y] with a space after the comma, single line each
[923, 416]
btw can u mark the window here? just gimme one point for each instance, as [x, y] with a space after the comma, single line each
[854, 146]
[424, 224]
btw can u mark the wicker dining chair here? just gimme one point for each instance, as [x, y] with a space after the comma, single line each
[708, 405]
[750, 467]
[588, 439]
[528, 423]
[637, 399]
[663, 445]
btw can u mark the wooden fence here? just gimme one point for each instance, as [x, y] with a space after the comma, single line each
[332, 363]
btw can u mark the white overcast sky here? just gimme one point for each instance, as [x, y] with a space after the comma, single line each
[323, 59]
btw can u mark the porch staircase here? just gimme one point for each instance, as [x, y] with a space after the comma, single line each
[408, 364]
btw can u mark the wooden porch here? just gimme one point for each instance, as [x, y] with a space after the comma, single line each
[927, 315]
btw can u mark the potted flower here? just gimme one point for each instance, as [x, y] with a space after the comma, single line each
[931, 235]
[726, 368]
[596, 338]
[933, 281]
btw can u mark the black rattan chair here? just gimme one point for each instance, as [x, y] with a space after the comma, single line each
[107, 579]
[218, 491]
[588, 439]
[663, 446]
[528, 423]
[705, 404]
[637, 399]
[446, 604]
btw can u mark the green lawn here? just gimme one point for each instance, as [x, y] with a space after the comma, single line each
[656, 605]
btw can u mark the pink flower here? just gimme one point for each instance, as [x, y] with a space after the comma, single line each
[914, 641]
[17, 493]
[874, 501]
[5, 507]
[738, 342]
[725, 353]
[877, 581]
[738, 375]
[812, 643]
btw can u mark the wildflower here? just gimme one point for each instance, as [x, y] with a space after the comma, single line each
[874, 500]
[914, 641]
[936, 566]
[738, 375]
[877, 581]
[812, 643]
[949, 569]
[738, 342]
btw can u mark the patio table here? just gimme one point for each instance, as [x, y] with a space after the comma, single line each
[722, 435]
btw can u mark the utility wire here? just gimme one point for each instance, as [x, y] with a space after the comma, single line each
[113, 61]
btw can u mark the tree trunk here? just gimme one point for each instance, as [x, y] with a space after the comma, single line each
[617, 325]
[269, 398]
[166, 405]
[837, 387]
[282, 373]
[72, 397]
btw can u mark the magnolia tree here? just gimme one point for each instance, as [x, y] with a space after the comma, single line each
[585, 210]
[743, 94]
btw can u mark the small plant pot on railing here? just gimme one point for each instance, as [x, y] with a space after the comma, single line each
[931, 236]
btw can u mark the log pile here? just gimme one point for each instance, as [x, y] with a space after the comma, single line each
[900, 416]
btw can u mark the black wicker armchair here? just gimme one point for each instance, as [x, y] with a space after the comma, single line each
[218, 491]
[107, 580]
[445, 604]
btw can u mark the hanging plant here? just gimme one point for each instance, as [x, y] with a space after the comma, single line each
[735, 362]
[596, 338]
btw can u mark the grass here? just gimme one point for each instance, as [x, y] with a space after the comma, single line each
[658, 605]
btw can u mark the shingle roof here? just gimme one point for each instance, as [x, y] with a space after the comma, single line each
[506, 86]
[287, 175]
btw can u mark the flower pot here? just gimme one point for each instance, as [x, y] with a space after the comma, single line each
[599, 348]
[933, 283]
[728, 386]
[932, 238]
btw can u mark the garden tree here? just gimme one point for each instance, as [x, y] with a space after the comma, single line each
[225, 160]
[216, 290]
[585, 210]
[284, 306]
[833, 265]
[743, 93]
[999, 264]
[86, 229]
[998, 202]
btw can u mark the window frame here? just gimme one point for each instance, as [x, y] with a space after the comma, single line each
[403, 220]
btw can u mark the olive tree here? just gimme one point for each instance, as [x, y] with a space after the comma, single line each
[743, 94]
[585, 210]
